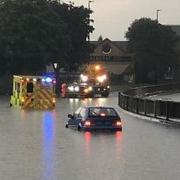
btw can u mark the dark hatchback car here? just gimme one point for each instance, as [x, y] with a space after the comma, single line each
[95, 118]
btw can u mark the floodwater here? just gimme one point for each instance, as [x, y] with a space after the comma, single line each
[35, 145]
[166, 97]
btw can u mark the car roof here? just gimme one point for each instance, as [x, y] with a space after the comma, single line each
[88, 106]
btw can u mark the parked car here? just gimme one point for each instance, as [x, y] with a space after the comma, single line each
[94, 118]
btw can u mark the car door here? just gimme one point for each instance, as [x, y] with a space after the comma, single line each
[72, 122]
[77, 118]
[81, 116]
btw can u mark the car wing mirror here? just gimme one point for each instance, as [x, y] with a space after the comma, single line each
[70, 116]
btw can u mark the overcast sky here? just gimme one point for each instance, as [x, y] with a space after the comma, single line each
[113, 17]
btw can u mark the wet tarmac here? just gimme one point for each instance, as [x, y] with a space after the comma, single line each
[35, 145]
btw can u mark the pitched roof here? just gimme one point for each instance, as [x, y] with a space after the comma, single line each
[120, 44]
[120, 68]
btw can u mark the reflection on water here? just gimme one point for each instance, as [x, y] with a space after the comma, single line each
[103, 137]
[95, 101]
[48, 153]
[101, 101]
[73, 100]
[118, 137]
[73, 104]
[87, 136]
[23, 114]
[86, 101]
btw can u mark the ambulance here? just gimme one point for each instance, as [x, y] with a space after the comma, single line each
[33, 92]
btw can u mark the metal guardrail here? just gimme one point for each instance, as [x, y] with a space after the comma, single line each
[134, 100]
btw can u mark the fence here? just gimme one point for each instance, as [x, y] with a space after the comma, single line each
[135, 101]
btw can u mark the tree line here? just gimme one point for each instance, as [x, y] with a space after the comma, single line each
[36, 33]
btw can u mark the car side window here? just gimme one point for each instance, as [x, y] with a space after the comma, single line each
[83, 113]
[77, 113]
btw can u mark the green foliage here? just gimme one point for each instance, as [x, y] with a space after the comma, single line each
[78, 29]
[34, 33]
[153, 48]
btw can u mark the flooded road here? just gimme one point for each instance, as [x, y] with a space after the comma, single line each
[35, 145]
[166, 97]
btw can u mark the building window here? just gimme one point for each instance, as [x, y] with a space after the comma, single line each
[30, 87]
[106, 48]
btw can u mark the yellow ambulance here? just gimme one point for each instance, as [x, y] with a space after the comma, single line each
[33, 92]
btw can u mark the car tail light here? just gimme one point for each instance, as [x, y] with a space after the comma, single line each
[102, 114]
[118, 123]
[87, 123]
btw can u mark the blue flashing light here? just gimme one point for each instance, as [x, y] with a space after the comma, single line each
[48, 80]
[43, 80]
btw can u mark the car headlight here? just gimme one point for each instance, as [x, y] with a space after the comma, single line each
[84, 78]
[86, 90]
[76, 88]
[90, 88]
[71, 88]
[102, 78]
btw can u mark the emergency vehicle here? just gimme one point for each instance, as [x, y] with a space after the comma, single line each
[93, 81]
[96, 76]
[77, 90]
[33, 92]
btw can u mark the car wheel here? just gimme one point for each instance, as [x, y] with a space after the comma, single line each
[66, 126]
[79, 128]
[105, 94]
[120, 129]
[91, 95]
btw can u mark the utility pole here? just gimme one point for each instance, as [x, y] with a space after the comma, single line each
[157, 14]
[89, 4]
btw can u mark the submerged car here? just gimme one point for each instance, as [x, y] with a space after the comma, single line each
[95, 118]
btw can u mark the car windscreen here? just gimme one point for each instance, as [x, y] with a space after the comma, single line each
[102, 112]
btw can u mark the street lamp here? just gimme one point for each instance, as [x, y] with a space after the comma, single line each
[157, 14]
[55, 64]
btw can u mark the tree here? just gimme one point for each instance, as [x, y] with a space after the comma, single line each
[153, 48]
[76, 48]
[34, 33]
[77, 19]
[29, 34]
